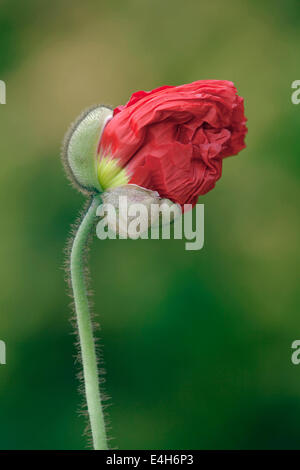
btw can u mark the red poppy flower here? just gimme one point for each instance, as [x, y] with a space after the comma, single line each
[173, 139]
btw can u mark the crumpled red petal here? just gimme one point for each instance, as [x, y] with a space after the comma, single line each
[173, 139]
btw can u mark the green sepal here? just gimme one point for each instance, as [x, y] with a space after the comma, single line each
[80, 148]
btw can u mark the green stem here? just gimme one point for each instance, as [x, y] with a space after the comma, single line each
[85, 328]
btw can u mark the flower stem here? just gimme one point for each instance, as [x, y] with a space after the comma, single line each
[85, 328]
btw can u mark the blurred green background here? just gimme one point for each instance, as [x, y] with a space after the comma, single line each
[197, 344]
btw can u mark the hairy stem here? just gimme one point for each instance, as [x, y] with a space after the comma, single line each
[85, 329]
